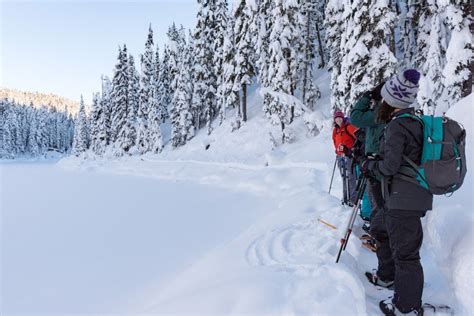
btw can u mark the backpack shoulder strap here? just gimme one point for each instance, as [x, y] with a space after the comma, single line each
[347, 132]
[416, 118]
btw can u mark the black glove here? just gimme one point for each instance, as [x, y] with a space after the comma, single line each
[375, 93]
[366, 167]
[347, 152]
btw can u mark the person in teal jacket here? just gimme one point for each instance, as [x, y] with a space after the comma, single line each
[363, 115]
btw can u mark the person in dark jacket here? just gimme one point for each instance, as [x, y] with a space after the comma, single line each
[363, 116]
[400, 234]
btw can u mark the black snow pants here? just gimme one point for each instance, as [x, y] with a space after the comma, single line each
[399, 236]
[374, 191]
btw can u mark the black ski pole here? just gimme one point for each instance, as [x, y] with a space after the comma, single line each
[352, 218]
[346, 178]
[332, 177]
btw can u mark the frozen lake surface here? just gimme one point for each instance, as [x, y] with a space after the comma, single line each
[83, 242]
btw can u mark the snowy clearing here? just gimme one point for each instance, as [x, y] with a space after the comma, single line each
[243, 236]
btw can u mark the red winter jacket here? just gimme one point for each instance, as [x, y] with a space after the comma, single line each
[345, 136]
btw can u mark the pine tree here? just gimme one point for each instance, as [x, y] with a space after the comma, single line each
[94, 123]
[80, 133]
[407, 40]
[367, 58]
[154, 123]
[221, 19]
[164, 88]
[264, 25]
[175, 47]
[9, 133]
[311, 18]
[147, 85]
[283, 65]
[34, 139]
[431, 85]
[119, 100]
[229, 95]
[422, 25]
[457, 71]
[133, 105]
[182, 128]
[244, 15]
[205, 79]
[104, 116]
[335, 27]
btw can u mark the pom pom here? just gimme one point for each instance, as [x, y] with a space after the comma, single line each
[412, 75]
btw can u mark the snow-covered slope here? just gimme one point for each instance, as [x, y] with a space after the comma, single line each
[449, 228]
[283, 263]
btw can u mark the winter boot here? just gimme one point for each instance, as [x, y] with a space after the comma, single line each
[388, 308]
[375, 280]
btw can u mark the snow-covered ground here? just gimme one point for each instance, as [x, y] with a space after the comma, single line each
[229, 230]
[84, 242]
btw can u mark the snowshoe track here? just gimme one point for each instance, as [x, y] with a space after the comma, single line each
[295, 246]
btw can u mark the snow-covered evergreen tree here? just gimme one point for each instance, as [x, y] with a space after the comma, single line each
[120, 101]
[459, 54]
[154, 124]
[95, 122]
[182, 128]
[205, 80]
[104, 120]
[80, 132]
[221, 17]
[229, 95]
[310, 19]
[34, 139]
[431, 84]
[175, 48]
[367, 58]
[133, 105]
[264, 23]
[283, 65]
[147, 86]
[10, 127]
[422, 25]
[164, 86]
[245, 23]
[335, 27]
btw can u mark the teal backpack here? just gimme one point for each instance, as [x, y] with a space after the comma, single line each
[443, 161]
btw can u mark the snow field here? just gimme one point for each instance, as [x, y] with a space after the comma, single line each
[282, 261]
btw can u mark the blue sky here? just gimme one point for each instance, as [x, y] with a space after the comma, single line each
[63, 47]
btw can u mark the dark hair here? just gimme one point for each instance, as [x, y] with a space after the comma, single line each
[384, 113]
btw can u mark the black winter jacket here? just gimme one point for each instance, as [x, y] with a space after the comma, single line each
[402, 136]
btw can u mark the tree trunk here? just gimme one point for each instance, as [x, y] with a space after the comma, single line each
[307, 57]
[392, 33]
[320, 48]
[282, 132]
[468, 11]
[244, 102]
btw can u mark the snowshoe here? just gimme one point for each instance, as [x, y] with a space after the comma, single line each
[374, 279]
[389, 309]
[366, 237]
[370, 244]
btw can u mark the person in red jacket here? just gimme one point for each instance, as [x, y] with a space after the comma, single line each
[343, 136]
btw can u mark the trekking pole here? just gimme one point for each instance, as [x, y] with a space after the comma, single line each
[350, 224]
[346, 182]
[332, 177]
